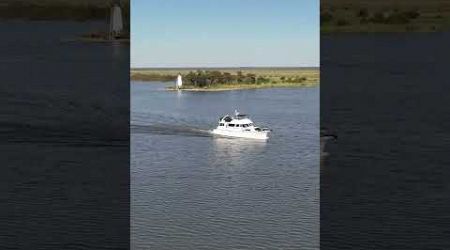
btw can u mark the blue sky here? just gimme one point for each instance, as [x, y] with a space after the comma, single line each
[224, 33]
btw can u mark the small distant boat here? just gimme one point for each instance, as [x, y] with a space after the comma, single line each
[240, 126]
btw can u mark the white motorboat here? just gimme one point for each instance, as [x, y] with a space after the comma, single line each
[240, 126]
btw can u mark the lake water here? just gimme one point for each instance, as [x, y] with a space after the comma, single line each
[385, 183]
[190, 190]
[64, 138]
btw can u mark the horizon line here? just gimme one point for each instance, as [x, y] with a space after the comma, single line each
[218, 67]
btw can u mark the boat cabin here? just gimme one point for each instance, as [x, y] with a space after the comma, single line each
[239, 122]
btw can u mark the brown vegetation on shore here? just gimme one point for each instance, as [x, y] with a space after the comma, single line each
[232, 78]
[80, 10]
[384, 16]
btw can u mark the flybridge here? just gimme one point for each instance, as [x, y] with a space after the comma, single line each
[239, 116]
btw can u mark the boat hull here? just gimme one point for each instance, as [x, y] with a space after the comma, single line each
[247, 134]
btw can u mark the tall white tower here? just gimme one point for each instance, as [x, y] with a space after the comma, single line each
[115, 22]
[179, 81]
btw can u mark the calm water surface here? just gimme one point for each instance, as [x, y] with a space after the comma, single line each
[385, 184]
[190, 190]
[64, 137]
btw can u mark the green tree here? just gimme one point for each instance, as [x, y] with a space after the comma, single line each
[215, 77]
[325, 17]
[251, 78]
[227, 77]
[363, 13]
[239, 77]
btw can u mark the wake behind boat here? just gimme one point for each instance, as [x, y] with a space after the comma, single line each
[240, 126]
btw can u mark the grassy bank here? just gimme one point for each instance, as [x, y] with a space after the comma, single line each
[264, 77]
[343, 16]
[236, 78]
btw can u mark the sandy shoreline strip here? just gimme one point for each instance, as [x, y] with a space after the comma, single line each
[241, 88]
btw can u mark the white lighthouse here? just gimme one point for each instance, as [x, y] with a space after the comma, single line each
[115, 22]
[179, 81]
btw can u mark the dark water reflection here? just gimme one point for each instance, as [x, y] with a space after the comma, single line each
[385, 183]
[191, 190]
[54, 87]
[64, 135]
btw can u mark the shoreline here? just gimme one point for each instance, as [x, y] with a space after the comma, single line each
[95, 40]
[245, 87]
[235, 78]
[356, 29]
[60, 10]
[231, 87]
[103, 40]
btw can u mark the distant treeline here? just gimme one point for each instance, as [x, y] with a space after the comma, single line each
[201, 78]
[60, 11]
[208, 78]
[153, 77]
[392, 16]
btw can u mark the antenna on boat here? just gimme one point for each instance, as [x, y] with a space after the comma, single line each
[236, 113]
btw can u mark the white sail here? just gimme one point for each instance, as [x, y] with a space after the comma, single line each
[116, 23]
[179, 81]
